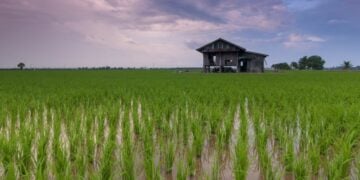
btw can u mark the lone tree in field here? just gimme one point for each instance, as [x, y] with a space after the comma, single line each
[347, 65]
[21, 65]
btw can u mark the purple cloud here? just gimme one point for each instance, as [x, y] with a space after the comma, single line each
[129, 27]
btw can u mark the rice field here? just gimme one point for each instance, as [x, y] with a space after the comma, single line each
[160, 124]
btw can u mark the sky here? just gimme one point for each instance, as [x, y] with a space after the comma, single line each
[165, 33]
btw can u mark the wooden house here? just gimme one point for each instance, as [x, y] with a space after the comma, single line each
[222, 55]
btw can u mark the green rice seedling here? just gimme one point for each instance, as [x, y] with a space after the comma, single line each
[11, 173]
[181, 173]
[265, 164]
[127, 154]
[41, 156]
[107, 160]
[62, 163]
[79, 166]
[215, 169]
[90, 148]
[314, 158]
[26, 136]
[289, 155]
[185, 128]
[241, 161]
[74, 133]
[199, 137]
[228, 126]
[8, 151]
[151, 171]
[261, 147]
[215, 119]
[357, 166]
[339, 166]
[300, 169]
[170, 151]
[135, 117]
[243, 133]
[220, 138]
[190, 158]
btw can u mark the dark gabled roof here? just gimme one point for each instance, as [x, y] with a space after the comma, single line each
[220, 39]
[241, 48]
[256, 53]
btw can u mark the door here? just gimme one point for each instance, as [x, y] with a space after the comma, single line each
[242, 65]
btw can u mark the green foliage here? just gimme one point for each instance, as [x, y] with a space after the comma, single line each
[281, 66]
[241, 162]
[294, 65]
[313, 62]
[347, 65]
[21, 66]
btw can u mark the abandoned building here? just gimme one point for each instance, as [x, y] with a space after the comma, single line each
[222, 55]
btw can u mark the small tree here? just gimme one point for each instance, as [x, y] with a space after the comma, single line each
[313, 62]
[281, 66]
[21, 65]
[347, 65]
[303, 63]
[316, 62]
[294, 65]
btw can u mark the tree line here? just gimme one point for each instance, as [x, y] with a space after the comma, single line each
[308, 63]
[313, 62]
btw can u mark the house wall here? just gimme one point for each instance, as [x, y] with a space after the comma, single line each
[256, 65]
[231, 56]
[206, 61]
[221, 59]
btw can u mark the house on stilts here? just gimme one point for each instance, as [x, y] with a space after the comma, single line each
[222, 55]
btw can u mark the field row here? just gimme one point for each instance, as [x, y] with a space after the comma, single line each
[134, 143]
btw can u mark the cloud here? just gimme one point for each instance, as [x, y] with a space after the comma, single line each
[303, 5]
[337, 21]
[185, 18]
[202, 15]
[156, 30]
[302, 41]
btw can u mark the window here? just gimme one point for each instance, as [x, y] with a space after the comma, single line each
[228, 62]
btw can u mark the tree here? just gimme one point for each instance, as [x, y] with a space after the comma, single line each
[313, 62]
[21, 65]
[281, 66]
[316, 62]
[294, 65]
[347, 65]
[303, 63]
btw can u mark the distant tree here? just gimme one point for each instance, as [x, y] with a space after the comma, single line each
[303, 63]
[281, 66]
[347, 65]
[316, 62]
[21, 65]
[313, 62]
[294, 65]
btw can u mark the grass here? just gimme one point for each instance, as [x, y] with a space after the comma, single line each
[148, 123]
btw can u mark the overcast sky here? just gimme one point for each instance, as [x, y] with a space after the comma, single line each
[164, 33]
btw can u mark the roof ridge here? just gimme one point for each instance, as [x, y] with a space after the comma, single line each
[222, 39]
